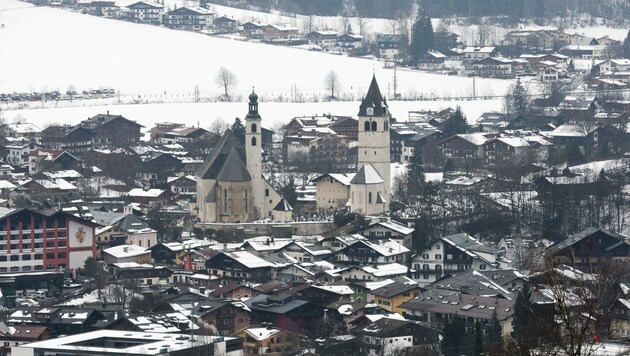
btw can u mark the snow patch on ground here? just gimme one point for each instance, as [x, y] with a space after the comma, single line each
[203, 114]
[92, 52]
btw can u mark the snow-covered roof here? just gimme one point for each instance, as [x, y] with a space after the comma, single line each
[343, 178]
[260, 334]
[337, 289]
[465, 180]
[486, 49]
[5, 184]
[70, 173]
[398, 227]
[387, 247]
[568, 130]
[514, 141]
[151, 193]
[391, 269]
[124, 251]
[476, 138]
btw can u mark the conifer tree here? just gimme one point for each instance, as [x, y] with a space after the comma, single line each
[238, 129]
[456, 124]
[415, 174]
[519, 98]
[422, 38]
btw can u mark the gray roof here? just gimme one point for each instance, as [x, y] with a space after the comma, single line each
[265, 303]
[212, 195]
[213, 164]
[367, 174]
[283, 205]
[465, 241]
[373, 98]
[473, 283]
[572, 239]
[233, 169]
[467, 306]
[131, 222]
[394, 289]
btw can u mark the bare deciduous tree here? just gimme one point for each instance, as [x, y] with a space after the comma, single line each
[363, 25]
[227, 80]
[218, 126]
[332, 83]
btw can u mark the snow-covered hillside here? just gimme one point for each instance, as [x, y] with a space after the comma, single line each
[203, 114]
[51, 49]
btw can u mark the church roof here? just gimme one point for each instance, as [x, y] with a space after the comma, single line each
[233, 169]
[283, 205]
[373, 99]
[213, 165]
[367, 175]
[212, 195]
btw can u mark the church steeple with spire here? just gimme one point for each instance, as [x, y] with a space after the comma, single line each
[253, 144]
[370, 188]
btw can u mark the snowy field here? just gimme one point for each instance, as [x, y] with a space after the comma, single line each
[52, 49]
[203, 114]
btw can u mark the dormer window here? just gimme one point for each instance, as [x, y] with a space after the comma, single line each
[369, 111]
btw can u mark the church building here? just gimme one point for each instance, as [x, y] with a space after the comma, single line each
[370, 187]
[230, 184]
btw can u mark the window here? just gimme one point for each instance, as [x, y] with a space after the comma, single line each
[61, 255]
[253, 141]
[26, 257]
[385, 124]
[254, 128]
[438, 267]
[369, 111]
[15, 269]
[15, 257]
[437, 247]
[374, 126]
[425, 256]
[482, 266]
[366, 126]
[425, 266]
[438, 256]
[369, 197]
[50, 256]
[26, 268]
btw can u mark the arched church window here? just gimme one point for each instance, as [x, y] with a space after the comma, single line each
[374, 126]
[367, 126]
[385, 125]
[254, 128]
[253, 141]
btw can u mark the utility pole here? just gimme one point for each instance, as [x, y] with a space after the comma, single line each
[395, 83]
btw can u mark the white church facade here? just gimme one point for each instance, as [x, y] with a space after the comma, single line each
[230, 184]
[371, 186]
